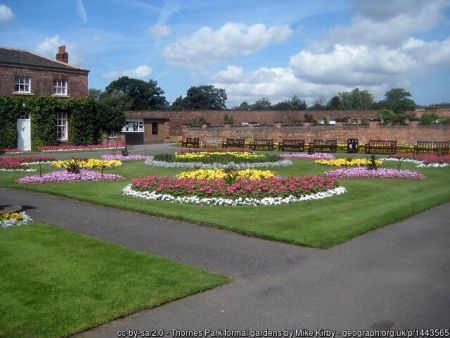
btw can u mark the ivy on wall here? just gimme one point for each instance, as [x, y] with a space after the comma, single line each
[86, 119]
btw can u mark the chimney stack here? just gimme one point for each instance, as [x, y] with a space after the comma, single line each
[62, 55]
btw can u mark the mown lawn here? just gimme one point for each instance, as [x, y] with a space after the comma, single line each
[54, 282]
[368, 204]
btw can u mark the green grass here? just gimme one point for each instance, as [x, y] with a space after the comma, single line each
[54, 282]
[368, 204]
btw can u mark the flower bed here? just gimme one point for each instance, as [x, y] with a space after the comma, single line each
[63, 176]
[424, 160]
[361, 172]
[124, 158]
[316, 156]
[348, 162]
[78, 148]
[11, 151]
[219, 160]
[213, 150]
[270, 191]
[9, 163]
[8, 219]
[211, 174]
[231, 165]
[90, 163]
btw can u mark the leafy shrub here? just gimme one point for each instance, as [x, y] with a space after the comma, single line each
[428, 118]
[197, 122]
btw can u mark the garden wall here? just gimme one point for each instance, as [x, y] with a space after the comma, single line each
[216, 118]
[405, 135]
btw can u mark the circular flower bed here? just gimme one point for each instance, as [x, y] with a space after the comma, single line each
[348, 162]
[87, 163]
[316, 156]
[270, 191]
[379, 173]
[65, 176]
[217, 160]
[209, 174]
[8, 219]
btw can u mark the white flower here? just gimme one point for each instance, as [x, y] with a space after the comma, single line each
[220, 201]
[231, 165]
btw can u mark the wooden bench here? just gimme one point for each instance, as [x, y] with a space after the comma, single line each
[381, 146]
[212, 142]
[292, 145]
[191, 142]
[234, 142]
[429, 146]
[323, 146]
[262, 143]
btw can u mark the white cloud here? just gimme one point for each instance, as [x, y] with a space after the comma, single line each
[159, 31]
[49, 48]
[6, 13]
[390, 24]
[140, 72]
[81, 11]
[356, 65]
[206, 46]
[276, 84]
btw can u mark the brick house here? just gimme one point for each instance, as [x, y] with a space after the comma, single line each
[28, 74]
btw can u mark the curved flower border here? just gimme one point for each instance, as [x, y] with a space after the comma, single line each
[316, 156]
[362, 172]
[153, 195]
[231, 165]
[11, 222]
[63, 176]
[419, 164]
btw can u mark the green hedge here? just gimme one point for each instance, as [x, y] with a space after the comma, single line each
[86, 119]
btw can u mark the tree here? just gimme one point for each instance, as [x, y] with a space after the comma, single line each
[205, 98]
[398, 100]
[244, 106]
[261, 104]
[139, 95]
[334, 103]
[94, 94]
[177, 104]
[295, 103]
[356, 99]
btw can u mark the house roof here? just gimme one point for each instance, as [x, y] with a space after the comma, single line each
[23, 58]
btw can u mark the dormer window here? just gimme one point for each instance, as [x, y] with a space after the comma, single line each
[23, 84]
[60, 87]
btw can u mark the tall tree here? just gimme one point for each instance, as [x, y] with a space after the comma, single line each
[139, 95]
[295, 103]
[205, 98]
[398, 100]
[261, 104]
[356, 99]
[334, 103]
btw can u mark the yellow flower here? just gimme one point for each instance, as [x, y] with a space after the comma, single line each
[199, 155]
[211, 174]
[88, 163]
[11, 216]
[348, 162]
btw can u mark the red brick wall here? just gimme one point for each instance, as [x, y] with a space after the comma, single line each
[404, 135]
[42, 81]
[216, 118]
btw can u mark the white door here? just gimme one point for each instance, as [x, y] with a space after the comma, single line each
[24, 132]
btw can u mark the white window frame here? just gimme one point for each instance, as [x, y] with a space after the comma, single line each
[60, 87]
[61, 126]
[22, 84]
[133, 126]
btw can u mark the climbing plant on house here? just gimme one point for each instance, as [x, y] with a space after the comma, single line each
[86, 119]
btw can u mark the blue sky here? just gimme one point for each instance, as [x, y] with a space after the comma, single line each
[251, 48]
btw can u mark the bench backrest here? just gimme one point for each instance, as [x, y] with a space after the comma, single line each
[432, 145]
[382, 143]
[293, 142]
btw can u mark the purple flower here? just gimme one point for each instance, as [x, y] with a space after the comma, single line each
[124, 158]
[64, 176]
[317, 156]
[380, 173]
